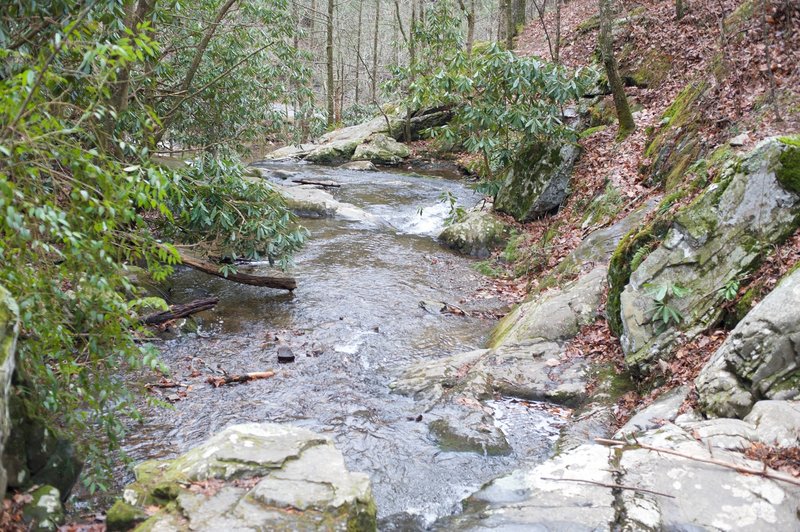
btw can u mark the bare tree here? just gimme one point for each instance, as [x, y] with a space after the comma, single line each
[329, 64]
[374, 76]
[470, 14]
[626, 123]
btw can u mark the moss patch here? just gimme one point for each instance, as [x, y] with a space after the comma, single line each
[789, 172]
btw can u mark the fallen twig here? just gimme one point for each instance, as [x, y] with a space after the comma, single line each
[181, 311]
[165, 384]
[216, 382]
[608, 485]
[736, 467]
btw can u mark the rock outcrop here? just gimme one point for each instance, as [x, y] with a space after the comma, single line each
[250, 477]
[720, 236]
[477, 234]
[9, 328]
[536, 183]
[760, 359]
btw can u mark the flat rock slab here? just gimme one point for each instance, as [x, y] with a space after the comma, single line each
[663, 492]
[253, 477]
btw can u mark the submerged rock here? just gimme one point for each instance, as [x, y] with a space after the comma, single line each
[712, 242]
[759, 359]
[477, 234]
[575, 490]
[359, 166]
[311, 202]
[380, 149]
[254, 477]
[536, 183]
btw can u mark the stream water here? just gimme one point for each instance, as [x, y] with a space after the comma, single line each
[354, 323]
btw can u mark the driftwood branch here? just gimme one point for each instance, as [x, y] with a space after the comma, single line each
[608, 485]
[216, 382]
[181, 311]
[765, 473]
[280, 282]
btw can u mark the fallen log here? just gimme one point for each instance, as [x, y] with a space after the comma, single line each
[216, 382]
[180, 311]
[280, 282]
[319, 183]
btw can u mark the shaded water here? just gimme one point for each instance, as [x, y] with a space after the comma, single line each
[355, 323]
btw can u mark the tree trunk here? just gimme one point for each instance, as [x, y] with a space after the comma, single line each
[358, 49]
[519, 14]
[557, 44]
[510, 28]
[282, 283]
[329, 64]
[626, 123]
[374, 77]
[680, 9]
[470, 15]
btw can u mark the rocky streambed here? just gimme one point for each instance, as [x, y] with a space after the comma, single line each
[373, 298]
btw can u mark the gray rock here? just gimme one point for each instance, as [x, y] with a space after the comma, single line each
[262, 477]
[537, 182]
[739, 140]
[759, 359]
[310, 202]
[717, 238]
[293, 151]
[776, 422]
[9, 328]
[723, 433]
[380, 149]
[566, 492]
[359, 166]
[665, 408]
[477, 234]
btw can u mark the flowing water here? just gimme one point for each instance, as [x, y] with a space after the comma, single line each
[354, 323]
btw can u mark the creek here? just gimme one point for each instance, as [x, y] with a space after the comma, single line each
[354, 323]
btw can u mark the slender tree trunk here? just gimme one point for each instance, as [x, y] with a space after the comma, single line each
[501, 21]
[519, 14]
[626, 123]
[768, 60]
[680, 9]
[374, 77]
[358, 50]
[329, 64]
[470, 15]
[557, 44]
[510, 29]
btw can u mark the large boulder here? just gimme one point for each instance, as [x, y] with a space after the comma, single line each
[310, 202]
[251, 477]
[712, 242]
[380, 149]
[759, 359]
[536, 183]
[476, 234]
[9, 328]
[576, 490]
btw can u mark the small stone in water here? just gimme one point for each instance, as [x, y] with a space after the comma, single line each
[285, 354]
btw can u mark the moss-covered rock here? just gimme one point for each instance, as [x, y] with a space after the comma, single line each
[536, 183]
[380, 149]
[44, 513]
[717, 238]
[789, 172]
[477, 234]
[123, 516]
[267, 477]
[9, 328]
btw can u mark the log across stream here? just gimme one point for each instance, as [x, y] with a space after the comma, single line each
[353, 323]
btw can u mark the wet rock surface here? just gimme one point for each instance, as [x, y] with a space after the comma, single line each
[576, 491]
[251, 476]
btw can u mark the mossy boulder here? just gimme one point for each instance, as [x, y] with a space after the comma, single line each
[9, 328]
[536, 183]
[259, 477]
[380, 149]
[44, 513]
[476, 234]
[722, 235]
[759, 359]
